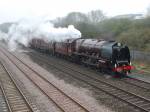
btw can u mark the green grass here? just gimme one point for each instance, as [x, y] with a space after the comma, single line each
[140, 66]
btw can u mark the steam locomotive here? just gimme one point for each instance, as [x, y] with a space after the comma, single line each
[104, 55]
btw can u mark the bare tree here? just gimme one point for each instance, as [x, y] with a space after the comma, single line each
[96, 16]
[76, 17]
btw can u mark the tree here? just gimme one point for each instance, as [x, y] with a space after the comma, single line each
[72, 18]
[136, 38]
[88, 30]
[75, 17]
[96, 16]
[114, 27]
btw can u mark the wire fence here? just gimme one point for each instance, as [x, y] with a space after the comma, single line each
[139, 55]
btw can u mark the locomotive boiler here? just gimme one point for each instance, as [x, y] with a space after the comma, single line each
[105, 55]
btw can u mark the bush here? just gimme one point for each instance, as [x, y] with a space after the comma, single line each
[136, 38]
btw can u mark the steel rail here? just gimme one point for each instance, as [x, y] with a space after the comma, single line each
[72, 99]
[75, 76]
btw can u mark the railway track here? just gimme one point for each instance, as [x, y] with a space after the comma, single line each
[13, 98]
[135, 100]
[3, 103]
[130, 80]
[137, 82]
[63, 101]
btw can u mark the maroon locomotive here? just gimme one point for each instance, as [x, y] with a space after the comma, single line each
[104, 55]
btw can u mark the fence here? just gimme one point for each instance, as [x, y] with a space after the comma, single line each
[139, 55]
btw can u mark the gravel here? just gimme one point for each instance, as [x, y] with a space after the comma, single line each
[42, 102]
[101, 97]
[82, 95]
[116, 82]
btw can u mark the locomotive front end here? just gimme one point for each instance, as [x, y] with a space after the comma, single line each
[121, 59]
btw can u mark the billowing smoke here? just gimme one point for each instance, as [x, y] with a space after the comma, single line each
[3, 36]
[25, 30]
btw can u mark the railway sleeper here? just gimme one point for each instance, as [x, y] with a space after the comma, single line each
[17, 105]
[17, 101]
[120, 95]
[148, 108]
[128, 98]
[117, 93]
[139, 102]
[123, 95]
[133, 100]
[21, 110]
[12, 94]
[8, 84]
[11, 89]
[109, 89]
[145, 105]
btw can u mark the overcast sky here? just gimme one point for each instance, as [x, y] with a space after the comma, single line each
[13, 10]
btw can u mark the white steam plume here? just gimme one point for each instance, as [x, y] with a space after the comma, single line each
[3, 36]
[26, 30]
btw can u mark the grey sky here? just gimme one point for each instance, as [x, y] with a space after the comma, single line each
[13, 10]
